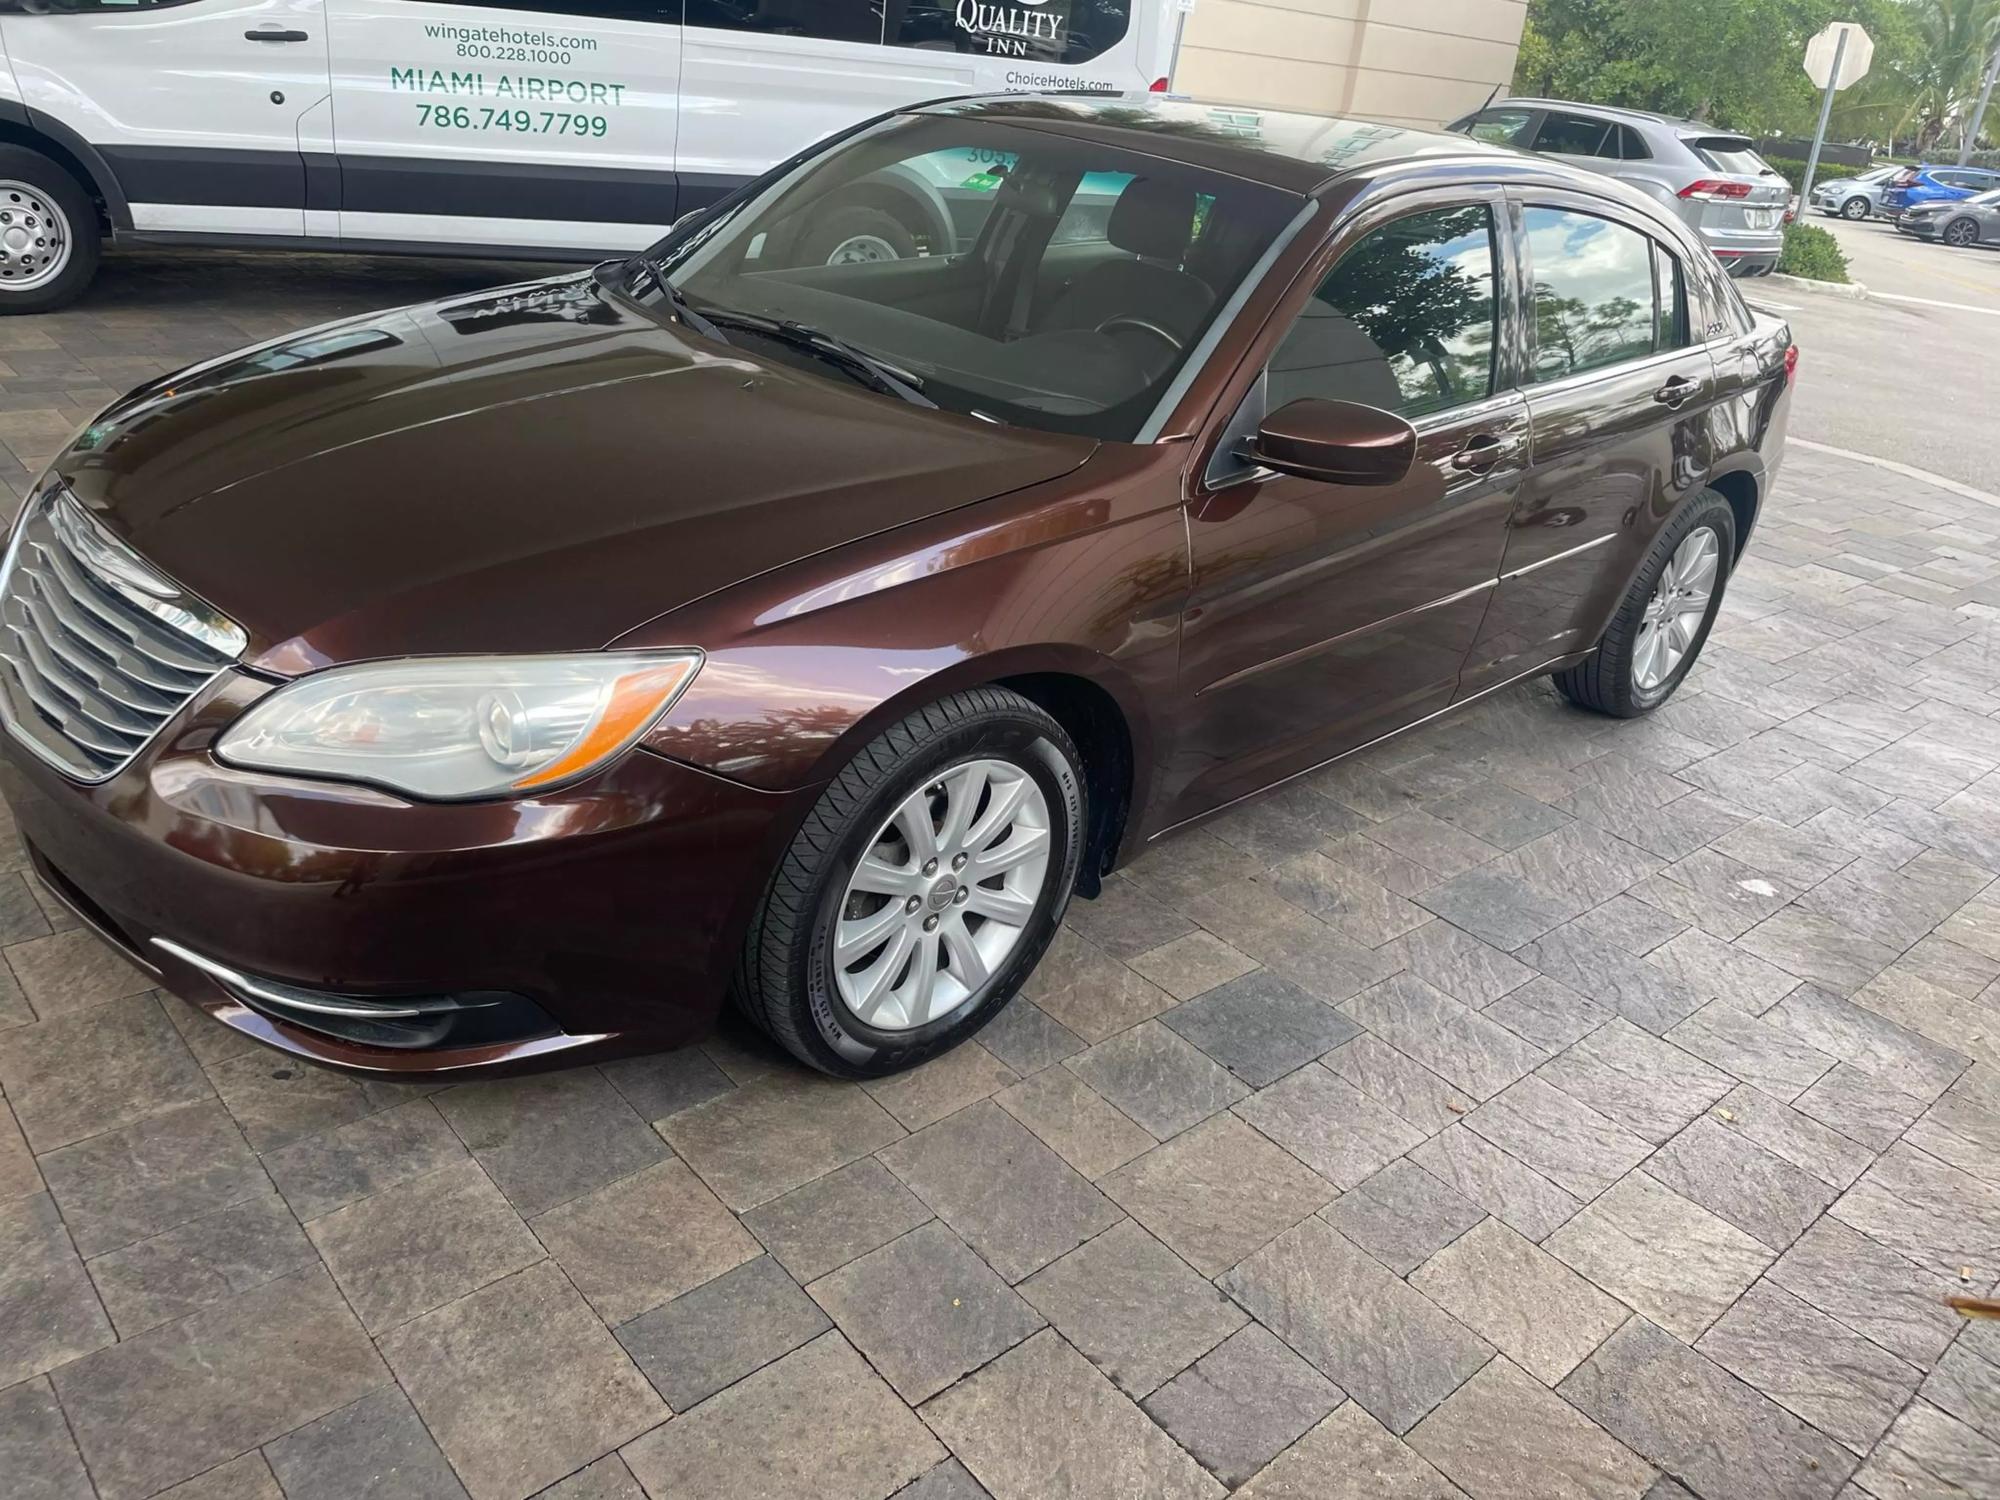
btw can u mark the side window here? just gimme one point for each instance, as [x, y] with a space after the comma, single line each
[829, 20]
[1594, 292]
[1044, 31]
[1670, 299]
[1405, 321]
[1632, 145]
[1576, 135]
[1498, 127]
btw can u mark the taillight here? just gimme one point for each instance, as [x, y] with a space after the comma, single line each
[1791, 363]
[1158, 86]
[1708, 188]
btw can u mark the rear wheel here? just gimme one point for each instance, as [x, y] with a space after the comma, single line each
[922, 889]
[1854, 208]
[1961, 232]
[1663, 620]
[48, 234]
[857, 236]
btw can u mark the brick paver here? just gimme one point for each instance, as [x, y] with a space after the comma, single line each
[1536, 1105]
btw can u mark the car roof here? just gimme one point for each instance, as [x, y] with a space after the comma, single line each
[1617, 112]
[1298, 152]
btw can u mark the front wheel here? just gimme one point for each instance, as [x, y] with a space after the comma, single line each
[1961, 232]
[1663, 620]
[1854, 208]
[857, 235]
[922, 889]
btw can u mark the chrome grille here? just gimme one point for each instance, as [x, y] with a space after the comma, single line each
[97, 651]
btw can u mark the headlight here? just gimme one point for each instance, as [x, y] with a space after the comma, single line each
[455, 726]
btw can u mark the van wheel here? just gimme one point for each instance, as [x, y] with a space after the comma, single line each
[1663, 620]
[922, 888]
[49, 241]
[857, 236]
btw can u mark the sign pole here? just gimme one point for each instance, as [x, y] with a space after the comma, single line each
[1979, 114]
[1825, 110]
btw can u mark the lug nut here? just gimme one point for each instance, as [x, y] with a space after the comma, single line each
[930, 867]
[930, 924]
[913, 903]
[958, 861]
[961, 895]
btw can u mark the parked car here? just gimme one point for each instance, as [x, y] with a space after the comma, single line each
[537, 129]
[1920, 187]
[506, 680]
[1968, 221]
[1854, 197]
[1716, 182]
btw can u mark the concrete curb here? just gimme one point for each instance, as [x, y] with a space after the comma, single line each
[1853, 291]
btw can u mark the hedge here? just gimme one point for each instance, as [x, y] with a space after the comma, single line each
[1812, 253]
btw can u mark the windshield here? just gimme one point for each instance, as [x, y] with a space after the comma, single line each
[1010, 272]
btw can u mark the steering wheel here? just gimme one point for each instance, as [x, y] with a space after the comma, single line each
[1125, 321]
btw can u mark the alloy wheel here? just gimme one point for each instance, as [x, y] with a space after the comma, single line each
[1960, 232]
[34, 237]
[942, 895]
[1674, 614]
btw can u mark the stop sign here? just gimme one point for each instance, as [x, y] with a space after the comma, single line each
[1854, 60]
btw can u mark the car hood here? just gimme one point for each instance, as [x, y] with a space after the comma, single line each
[538, 468]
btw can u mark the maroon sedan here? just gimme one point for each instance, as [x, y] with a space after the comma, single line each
[510, 679]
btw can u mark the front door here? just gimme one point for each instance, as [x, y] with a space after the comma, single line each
[546, 124]
[195, 106]
[1620, 393]
[1323, 615]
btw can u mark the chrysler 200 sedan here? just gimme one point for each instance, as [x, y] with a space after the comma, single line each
[516, 678]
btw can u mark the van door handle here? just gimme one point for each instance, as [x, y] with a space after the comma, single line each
[1676, 391]
[1480, 453]
[274, 35]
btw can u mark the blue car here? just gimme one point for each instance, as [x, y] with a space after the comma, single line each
[1917, 187]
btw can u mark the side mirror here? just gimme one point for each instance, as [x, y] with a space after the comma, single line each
[1339, 442]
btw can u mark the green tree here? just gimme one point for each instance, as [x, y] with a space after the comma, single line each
[1951, 41]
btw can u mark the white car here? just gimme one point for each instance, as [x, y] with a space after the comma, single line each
[561, 129]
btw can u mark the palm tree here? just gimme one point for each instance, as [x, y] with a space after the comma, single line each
[1954, 38]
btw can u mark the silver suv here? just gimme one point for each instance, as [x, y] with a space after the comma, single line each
[1715, 181]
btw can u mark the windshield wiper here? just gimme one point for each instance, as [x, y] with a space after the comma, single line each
[643, 274]
[831, 349]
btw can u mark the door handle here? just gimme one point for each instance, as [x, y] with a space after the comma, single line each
[270, 35]
[1481, 453]
[1676, 391]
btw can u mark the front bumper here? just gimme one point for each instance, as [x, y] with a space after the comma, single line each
[1924, 226]
[607, 915]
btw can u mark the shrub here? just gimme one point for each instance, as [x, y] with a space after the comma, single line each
[1812, 253]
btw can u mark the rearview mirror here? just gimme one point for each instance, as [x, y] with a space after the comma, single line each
[1338, 442]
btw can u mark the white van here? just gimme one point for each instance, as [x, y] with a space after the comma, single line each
[554, 129]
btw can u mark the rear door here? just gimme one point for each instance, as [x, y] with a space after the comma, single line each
[546, 124]
[1619, 389]
[194, 104]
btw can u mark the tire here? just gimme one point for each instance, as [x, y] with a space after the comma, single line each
[789, 982]
[1960, 232]
[1611, 680]
[860, 233]
[37, 194]
[1854, 208]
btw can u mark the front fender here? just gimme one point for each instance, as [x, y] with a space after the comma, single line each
[1081, 577]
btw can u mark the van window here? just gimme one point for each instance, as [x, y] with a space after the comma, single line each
[1058, 31]
[829, 20]
[1594, 292]
[1404, 322]
[658, 12]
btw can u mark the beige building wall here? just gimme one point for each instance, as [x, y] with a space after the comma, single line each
[1408, 62]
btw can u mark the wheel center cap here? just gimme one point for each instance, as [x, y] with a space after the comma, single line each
[942, 893]
[17, 238]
